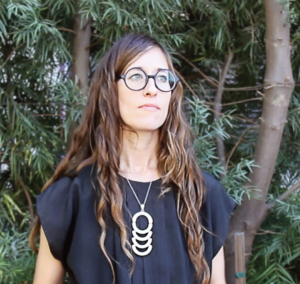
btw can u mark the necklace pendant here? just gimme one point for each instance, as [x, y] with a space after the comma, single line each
[136, 232]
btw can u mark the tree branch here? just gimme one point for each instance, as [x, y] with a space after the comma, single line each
[266, 232]
[218, 107]
[187, 85]
[238, 89]
[10, 55]
[243, 101]
[235, 89]
[236, 145]
[238, 102]
[285, 195]
[68, 30]
[214, 83]
[211, 81]
[102, 37]
[243, 118]
[28, 199]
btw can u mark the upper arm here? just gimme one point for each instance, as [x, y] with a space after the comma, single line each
[218, 268]
[48, 269]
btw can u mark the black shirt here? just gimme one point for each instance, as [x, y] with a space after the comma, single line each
[67, 213]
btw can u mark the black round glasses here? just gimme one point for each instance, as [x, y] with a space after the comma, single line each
[136, 79]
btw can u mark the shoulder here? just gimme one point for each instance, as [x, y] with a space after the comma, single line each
[215, 213]
[58, 207]
[213, 188]
[68, 186]
[217, 203]
[209, 180]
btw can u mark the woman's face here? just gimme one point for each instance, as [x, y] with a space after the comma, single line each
[147, 109]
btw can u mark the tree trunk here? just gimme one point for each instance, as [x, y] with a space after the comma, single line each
[81, 52]
[80, 65]
[218, 109]
[279, 85]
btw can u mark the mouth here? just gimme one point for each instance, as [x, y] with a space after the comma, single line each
[149, 106]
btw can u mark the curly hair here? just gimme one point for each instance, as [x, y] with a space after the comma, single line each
[100, 145]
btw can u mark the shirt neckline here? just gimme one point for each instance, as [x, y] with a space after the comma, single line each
[141, 182]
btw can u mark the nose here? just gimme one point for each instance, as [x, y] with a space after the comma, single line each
[150, 89]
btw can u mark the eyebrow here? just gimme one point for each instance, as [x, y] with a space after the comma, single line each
[156, 70]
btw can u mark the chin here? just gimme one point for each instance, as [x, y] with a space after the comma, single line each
[147, 126]
[147, 129]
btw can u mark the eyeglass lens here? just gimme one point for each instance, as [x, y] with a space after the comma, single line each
[136, 79]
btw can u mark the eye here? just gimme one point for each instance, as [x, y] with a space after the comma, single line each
[136, 77]
[162, 78]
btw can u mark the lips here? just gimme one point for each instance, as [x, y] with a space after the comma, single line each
[150, 106]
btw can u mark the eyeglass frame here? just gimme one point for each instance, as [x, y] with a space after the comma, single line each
[123, 76]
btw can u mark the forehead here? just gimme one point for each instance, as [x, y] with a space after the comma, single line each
[151, 60]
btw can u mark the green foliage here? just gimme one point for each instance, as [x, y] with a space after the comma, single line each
[277, 249]
[9, 208]
[206, 134]
[17, 260]
[39, 101]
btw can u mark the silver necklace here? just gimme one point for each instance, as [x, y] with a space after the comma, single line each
[136, 232]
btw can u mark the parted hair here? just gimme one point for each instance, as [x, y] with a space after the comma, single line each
[99, 139]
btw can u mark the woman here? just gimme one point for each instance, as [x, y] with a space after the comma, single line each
[137, 209]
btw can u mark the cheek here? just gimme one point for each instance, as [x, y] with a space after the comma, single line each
[167, 101]
[126, 101]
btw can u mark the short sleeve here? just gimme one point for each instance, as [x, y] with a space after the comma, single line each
[55, 208]
[216, 214]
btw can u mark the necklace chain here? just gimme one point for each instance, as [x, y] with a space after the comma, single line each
[142, 205]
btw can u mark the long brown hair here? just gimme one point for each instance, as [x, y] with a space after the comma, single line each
[101, 146]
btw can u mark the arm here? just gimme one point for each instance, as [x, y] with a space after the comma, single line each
[48, 270]
[218, 268]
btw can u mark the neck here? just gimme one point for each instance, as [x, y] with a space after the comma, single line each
[138, 160]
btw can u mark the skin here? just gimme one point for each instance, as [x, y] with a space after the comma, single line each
[218, 268]
[48, 270]
[138, 158]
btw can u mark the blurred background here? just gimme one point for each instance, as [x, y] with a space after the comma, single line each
[239, 63]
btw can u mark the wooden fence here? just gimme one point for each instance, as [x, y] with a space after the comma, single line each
[240, 268]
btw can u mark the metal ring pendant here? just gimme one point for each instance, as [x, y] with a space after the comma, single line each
[136, 238]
